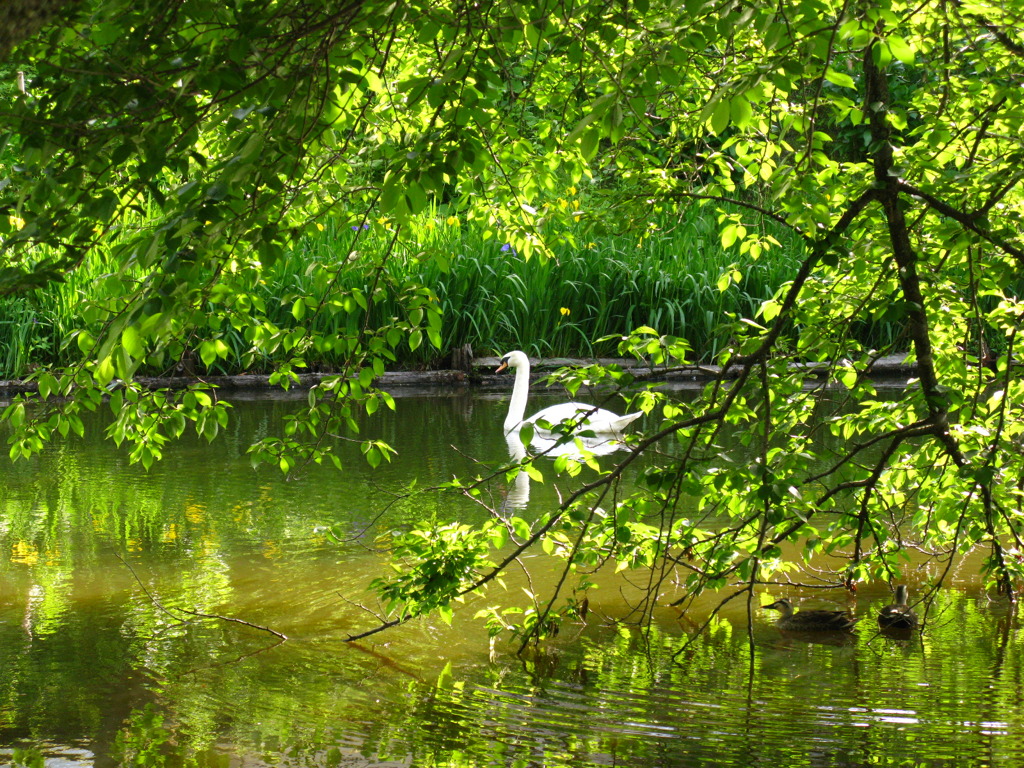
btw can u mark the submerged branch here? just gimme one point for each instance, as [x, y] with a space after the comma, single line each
[198, 614]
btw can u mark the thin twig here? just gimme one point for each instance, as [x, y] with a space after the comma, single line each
[199, 614]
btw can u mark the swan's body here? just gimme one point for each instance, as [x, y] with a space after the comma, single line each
[588, 417]
[898, 615]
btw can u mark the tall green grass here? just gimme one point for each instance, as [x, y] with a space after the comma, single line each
[492, 298]
[34, 327]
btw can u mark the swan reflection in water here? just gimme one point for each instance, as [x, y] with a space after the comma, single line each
[518, 495]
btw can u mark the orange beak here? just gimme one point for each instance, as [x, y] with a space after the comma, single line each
[501, 367]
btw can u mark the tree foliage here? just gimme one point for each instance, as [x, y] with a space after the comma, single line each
[191, 143]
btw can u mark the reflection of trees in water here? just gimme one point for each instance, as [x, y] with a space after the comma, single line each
[80, 645]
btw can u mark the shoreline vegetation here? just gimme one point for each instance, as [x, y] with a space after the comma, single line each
[593, 286]
[478, 373]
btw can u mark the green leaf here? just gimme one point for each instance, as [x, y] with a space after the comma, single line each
[901, 49]
[46, 384]
[104, 371]
[415, 196]
[720, 117]
[131, 341]
[16, 414]
[372, 455]
[597, 109]
[499, 537]
[840, 78]
[85, 342]
[589, 143]
[740, 111]
[770, 310]
[881, 54]
[526, 432]
[208, 353]
[520, 528]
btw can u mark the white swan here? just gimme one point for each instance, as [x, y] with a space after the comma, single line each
[592, 418]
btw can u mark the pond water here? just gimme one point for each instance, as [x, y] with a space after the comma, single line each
[97, 669]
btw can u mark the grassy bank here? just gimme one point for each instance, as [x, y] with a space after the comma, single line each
[492, 298]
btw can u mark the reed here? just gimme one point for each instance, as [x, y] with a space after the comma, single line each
[491, 297]
[494, 299]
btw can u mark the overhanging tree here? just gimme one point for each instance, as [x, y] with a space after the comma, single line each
[190, 144]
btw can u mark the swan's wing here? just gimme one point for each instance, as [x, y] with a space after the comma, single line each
[596, 419]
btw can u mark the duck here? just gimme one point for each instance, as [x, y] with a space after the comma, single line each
[590, 417]
[898, 615]
[810, 621]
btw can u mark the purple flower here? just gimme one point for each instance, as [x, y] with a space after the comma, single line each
[356, 227]
[508, 247]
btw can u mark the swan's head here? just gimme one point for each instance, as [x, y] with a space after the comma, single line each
[514, 359]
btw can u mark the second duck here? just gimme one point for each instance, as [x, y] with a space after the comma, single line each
[899, 615]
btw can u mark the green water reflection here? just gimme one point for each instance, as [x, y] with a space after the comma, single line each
[94, 672]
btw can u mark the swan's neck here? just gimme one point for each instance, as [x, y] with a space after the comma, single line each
[517, 405]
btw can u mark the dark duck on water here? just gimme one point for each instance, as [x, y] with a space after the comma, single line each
[816, 620]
